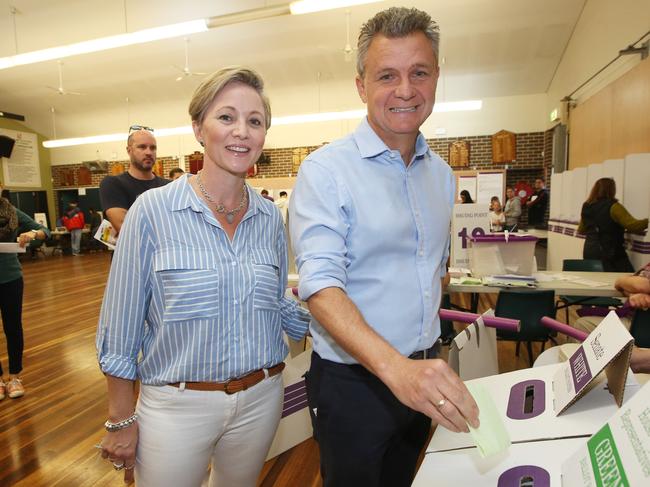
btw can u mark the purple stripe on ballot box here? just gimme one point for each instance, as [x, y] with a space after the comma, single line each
[298, 385]
[294, 409]
[513, 237]
[579, 369]
[524, 475]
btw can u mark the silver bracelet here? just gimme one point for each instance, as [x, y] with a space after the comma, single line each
[120, 425]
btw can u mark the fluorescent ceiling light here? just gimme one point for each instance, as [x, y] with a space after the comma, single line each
[173, 30]
[105, 43]
[309, 6]
[454, 106]
[95, 139]
[458, 106]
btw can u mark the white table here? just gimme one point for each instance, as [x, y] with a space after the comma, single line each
[560, 286]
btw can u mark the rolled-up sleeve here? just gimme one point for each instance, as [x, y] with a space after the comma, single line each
[126, 299]
[318, 229]
[295, 319]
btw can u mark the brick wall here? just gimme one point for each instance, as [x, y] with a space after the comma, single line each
[59, 173]
[534, 152]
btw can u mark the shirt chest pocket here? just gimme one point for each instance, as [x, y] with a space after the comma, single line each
[267, 278]
[190, 284]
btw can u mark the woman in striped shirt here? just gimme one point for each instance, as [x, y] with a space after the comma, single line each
[195, 309]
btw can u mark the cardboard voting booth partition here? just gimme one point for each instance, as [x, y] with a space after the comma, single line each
[295, 423]
[542, 403]
[473, 353]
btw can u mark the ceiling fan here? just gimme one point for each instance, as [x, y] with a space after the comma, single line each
[61, 90]
[348, 50]
[185, 72]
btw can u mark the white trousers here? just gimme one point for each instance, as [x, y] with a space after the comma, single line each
[181, 432]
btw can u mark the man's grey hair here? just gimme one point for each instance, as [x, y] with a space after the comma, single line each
[395, 22]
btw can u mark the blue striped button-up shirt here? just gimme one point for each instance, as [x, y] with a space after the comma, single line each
[363, 221]
[198, 306]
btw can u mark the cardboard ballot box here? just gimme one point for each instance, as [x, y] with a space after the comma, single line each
[497, 254]
[618, 454]
[540, 461]
[559, 400]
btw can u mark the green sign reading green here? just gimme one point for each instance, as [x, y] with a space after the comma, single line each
[605, 460]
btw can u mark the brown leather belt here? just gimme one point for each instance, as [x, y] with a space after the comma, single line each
[233, 385]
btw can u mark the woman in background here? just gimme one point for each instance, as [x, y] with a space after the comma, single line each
[14, 226]
[603, 221]
[465, 197]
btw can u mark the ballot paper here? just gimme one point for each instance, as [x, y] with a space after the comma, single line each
[11, 248]
[106, 234]
[491, 437]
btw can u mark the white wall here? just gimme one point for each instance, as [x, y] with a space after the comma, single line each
[604, 28]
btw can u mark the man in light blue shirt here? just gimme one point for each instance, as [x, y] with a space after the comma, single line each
[370, 217]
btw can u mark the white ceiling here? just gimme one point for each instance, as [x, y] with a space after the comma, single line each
[491, 48]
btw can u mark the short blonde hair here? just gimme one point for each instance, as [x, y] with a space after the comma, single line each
[211, 86]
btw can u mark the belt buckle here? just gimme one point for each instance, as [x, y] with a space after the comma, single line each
[237, 384]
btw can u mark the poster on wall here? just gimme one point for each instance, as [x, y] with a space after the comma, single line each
[469, 220]
[489, 184]
[23, 168]
[466, 183]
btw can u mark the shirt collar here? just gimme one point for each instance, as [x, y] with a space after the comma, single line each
[182, 196]
[371, 145]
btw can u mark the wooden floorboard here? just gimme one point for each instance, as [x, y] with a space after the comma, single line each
[48, 437]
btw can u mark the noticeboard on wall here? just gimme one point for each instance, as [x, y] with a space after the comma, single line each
[23, 168]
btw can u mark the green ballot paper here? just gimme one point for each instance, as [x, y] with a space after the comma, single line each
[491, 437]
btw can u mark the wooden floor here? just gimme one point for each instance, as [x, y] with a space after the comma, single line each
[48, 437]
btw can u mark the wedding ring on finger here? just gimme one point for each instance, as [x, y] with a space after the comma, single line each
[441, 403]
[118, 466]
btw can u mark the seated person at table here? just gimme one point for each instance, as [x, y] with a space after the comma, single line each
[636, 287]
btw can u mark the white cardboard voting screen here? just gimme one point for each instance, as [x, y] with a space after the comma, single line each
[473, 353]
[608, 346]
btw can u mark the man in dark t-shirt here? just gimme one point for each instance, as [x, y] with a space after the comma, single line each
[117, 193]
[537, 204]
